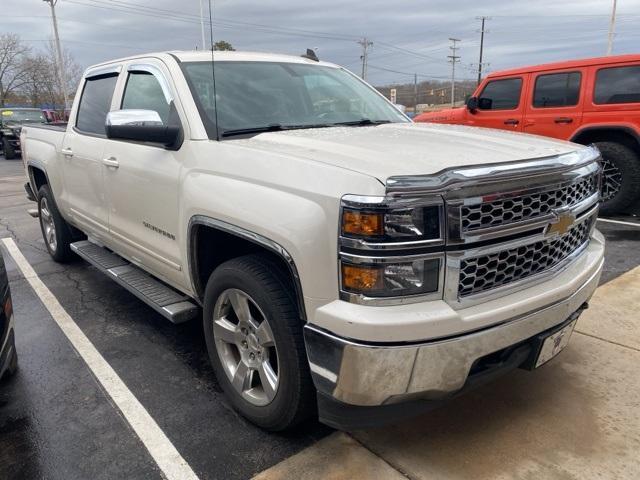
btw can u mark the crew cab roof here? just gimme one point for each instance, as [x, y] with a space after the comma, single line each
[585, 62]
[219, 56]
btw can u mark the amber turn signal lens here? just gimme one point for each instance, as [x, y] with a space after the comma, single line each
[362, 223]
[361, 279]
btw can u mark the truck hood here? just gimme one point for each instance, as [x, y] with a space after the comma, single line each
[406, 148]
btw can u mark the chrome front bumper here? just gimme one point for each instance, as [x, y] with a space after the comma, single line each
[381, 374]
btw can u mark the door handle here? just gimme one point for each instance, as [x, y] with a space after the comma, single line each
[67, 152]
[563, 120]
[511, 121]
[111, 162]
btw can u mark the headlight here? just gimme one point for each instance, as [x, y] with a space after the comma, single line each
[391, 249]
[392, 224]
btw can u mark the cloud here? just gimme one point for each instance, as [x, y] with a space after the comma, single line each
[409, 36]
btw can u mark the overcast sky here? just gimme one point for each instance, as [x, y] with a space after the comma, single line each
[408, 36]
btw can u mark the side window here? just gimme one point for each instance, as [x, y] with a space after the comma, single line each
[617, 85]
[143, 92]
[501, 95]
[95, 103]
[557, 90]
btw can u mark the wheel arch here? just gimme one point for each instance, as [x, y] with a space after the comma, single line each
[235, 241]
[37, 177]
[608, 133]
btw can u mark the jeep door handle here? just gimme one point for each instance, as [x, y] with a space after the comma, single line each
[512, 121]
[67, 152]
[563, 120]
[111, 162]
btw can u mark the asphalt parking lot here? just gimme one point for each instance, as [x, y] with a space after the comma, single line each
[578, 417]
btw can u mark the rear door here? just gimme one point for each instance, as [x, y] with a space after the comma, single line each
[554, 104]
[81, 153]
[500, 104]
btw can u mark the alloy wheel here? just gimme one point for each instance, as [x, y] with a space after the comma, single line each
[48, 226]
[246, 347]
[612, 179]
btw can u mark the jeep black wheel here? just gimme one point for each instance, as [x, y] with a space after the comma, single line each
[254, 339]
[621, 177]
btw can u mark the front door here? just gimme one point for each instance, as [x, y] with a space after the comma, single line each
[500, 105]
[554, 107]
[142, 183]
[81, 157]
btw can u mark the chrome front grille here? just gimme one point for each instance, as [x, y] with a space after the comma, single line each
[519, 208]
[485, 272]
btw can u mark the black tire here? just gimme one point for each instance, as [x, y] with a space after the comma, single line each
[9, 151]
[622, 167]
[13, 363]
[63, 233]
[270, 288]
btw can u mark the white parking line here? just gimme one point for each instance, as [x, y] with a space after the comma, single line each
[156, 442]
[619, 222]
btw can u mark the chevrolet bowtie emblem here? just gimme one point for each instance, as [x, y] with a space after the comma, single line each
[561, 224]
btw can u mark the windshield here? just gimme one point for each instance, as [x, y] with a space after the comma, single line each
[22, 116]
[260, 96]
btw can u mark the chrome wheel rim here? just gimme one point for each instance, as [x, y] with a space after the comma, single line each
[246, 347]
[611, 179]
[48, 227]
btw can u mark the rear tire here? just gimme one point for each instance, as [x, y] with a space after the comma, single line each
[621, 179]
[9, 151]
[260, 287]
[56, 232]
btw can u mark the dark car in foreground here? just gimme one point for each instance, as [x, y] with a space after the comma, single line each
[8, 355]
[11, 122]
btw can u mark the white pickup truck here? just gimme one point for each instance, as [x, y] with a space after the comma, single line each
[345, 260]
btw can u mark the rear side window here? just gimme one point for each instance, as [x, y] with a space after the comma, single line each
[501, 95]
[557, 90]
[617, 85]
[95, 103]
[143, 91]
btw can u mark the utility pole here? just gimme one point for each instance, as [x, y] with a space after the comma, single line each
[415, 93]
[453, 58]
[60, 66]
[204, 42]
[365, 44]
[612, 27]
[482, 32]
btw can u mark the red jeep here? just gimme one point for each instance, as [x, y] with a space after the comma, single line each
[596, 100]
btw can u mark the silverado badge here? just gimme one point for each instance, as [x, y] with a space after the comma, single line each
[561, 225]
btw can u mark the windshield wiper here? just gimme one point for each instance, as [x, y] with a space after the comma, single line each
[363, 121]
[274, 127]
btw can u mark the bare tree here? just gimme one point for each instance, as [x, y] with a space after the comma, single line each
[71, 71]
[39, 86]
[13, 66]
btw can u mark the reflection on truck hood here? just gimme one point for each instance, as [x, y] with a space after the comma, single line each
[406, 149]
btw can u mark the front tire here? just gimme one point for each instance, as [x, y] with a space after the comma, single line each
[56, 232]
[9, 151]
[621, 177]
[254, 339]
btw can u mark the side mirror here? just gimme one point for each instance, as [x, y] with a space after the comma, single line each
[472, 104]
[141, 126]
